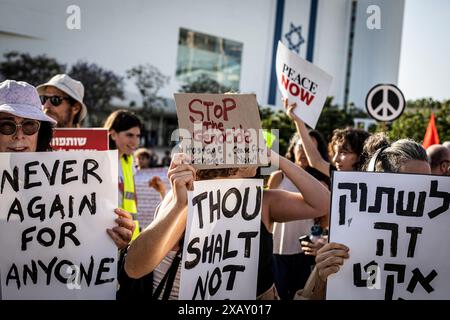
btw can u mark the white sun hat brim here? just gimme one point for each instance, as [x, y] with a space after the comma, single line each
[26, 111]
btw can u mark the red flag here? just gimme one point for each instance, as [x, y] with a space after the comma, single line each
[431, 136]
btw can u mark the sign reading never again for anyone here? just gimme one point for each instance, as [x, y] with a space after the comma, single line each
[55, 209]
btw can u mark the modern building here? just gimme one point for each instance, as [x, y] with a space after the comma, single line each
[232, 42]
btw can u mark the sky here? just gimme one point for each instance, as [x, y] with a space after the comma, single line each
[425, 51]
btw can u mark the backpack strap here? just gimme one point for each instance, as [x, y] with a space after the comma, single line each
[170, 275]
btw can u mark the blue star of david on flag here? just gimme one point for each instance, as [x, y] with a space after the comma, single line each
[290, 37]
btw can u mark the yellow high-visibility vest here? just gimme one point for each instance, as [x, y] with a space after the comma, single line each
[129, 196]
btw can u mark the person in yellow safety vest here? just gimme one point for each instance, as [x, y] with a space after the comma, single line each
[124, 134]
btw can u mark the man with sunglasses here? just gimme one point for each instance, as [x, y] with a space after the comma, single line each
[62, 99]
[439, 157]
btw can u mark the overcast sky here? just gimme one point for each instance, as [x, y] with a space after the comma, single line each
[425, 52]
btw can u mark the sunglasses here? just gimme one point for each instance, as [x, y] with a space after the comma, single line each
[54, 100]
[29, 127]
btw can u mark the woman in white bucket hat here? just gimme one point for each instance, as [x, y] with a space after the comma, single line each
[24, 127]
[20, 107]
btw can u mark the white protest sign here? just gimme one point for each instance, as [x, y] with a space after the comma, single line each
[54, 211]
[221, 244]
[303, 83]
[397, 229]
[148, 198]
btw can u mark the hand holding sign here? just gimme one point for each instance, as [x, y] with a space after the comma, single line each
[289, 109]
[303, 83]
[181, 176]
[121, 234]
[330, 258]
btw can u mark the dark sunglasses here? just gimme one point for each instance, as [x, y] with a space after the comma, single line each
[54, 100]
[29, 127]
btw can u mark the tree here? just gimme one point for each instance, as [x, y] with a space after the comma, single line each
[413, 122]
[24, 67]
[333, 117]
[204, 84]
[149, 80]
[100, 87]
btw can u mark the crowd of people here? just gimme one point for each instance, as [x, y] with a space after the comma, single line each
[297, 198]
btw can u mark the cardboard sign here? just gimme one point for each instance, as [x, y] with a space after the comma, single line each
[80, 139]
[221, 244]
[54, 211]
[221, 130]
[397, 228]
[303, 83]
[148, 198]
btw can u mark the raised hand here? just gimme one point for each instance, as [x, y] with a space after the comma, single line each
[181, 176]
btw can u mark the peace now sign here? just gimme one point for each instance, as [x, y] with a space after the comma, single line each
[385, 102]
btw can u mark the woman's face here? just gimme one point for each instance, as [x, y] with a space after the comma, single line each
[142, 161]
[127, 141]
[300, 155]
[344, 159]
[415, 166]
[18, 141]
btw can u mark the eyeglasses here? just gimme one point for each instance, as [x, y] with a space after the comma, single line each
[29, 127]
[54, 100]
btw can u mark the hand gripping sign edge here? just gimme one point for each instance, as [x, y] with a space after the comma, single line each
[373, 111]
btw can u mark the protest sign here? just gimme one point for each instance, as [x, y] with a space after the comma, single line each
[396, 226]
[303, 83]
[80, 139]
[221, 243]
[221, 130]
[54, 211]
[148, 198]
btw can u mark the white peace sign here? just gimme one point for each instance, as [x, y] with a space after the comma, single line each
[385, 102]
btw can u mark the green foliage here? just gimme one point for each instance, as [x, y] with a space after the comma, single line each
[24, 67]
[101, 86]
[149, 80]
[334, 117]
[414, 121]
[278, 119]
[204, 84]
[412, 124]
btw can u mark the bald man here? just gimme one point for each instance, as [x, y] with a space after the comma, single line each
[439, 159]
[446, 144]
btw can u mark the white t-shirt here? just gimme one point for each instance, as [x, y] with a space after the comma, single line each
[286, 234]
